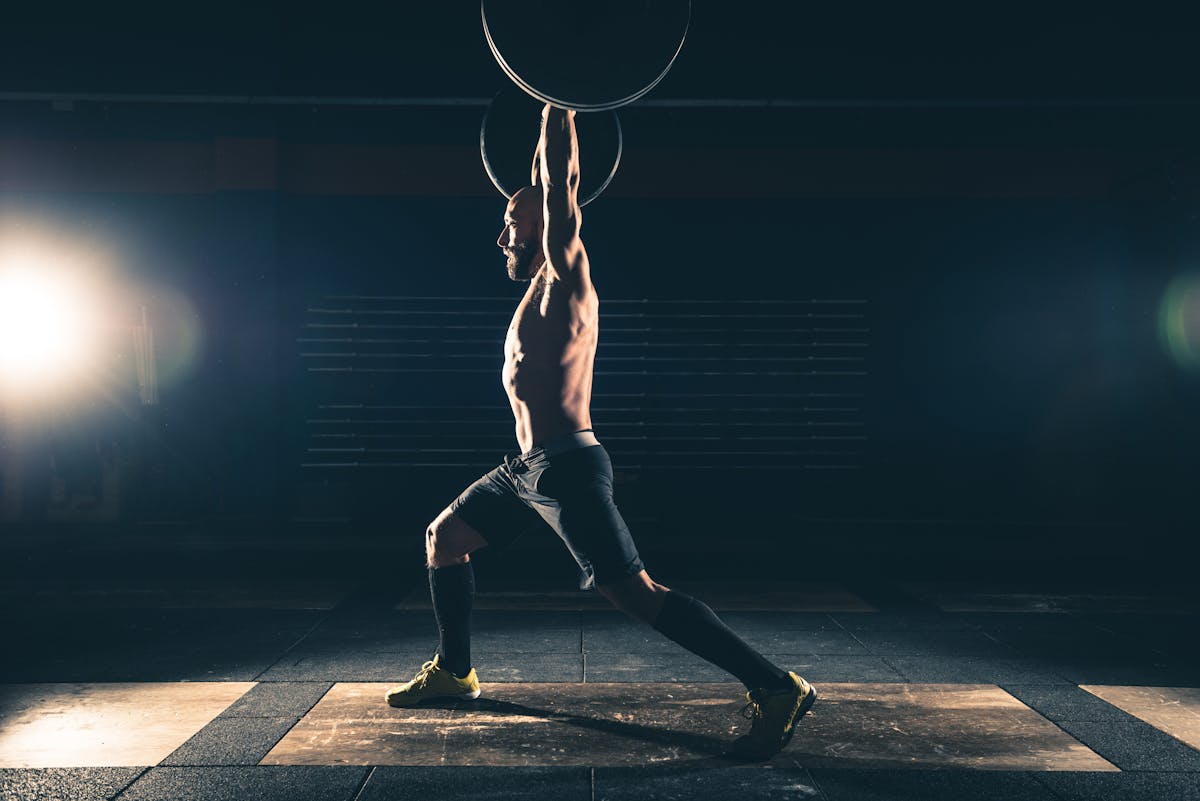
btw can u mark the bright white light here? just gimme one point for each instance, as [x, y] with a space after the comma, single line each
[44, 326]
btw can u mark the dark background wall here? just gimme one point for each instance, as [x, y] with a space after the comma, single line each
[1006, 201]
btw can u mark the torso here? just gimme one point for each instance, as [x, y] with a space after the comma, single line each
[548, 357]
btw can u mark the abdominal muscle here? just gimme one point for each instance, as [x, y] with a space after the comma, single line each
[540, 419]
[548, 358]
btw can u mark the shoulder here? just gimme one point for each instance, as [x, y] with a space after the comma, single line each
[577, 294]
[581, 290]
[586, 303]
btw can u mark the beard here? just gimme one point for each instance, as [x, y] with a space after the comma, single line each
[519, 258]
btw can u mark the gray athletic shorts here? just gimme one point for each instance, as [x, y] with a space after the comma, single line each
[566, 483]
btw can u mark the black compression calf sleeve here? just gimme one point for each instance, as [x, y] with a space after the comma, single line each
[693, 625]
[453, 590]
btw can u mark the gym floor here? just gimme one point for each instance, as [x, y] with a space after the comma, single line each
[898, 369]
[233, 687]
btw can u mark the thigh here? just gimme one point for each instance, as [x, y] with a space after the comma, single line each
[579, 506]
[492, 508]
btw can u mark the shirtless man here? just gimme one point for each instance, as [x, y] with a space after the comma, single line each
[563, 476]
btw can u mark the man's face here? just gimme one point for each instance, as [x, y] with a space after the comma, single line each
[521, 238]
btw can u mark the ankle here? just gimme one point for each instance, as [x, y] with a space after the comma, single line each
[781, 685]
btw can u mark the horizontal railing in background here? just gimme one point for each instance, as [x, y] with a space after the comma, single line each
[679, 384]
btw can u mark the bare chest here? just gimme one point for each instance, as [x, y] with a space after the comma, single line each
[550, 322]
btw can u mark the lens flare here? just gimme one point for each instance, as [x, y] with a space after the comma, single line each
[45, 326]
[1179, 320]
[179, 335]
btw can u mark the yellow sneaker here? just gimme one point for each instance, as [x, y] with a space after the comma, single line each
[433, 681]
[774, 719]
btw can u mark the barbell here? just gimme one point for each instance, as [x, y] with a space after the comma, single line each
[587, 55]
[510, 130]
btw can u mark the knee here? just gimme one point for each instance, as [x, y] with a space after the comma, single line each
[431, 544]
[439, 550]
[640, 598]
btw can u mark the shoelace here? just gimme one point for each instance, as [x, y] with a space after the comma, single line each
[754, 708]
[422, 677]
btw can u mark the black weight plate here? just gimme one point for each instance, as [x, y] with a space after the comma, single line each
[588, 56]
[509, 135]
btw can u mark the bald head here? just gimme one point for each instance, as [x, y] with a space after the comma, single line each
[527, 200]
[521, 238]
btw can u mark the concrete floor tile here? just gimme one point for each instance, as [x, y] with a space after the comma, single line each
[130, 625]
[1073, 643]
[418, 639]
[398, 667]
[535, 641]
[1134, 745]
[64, 784]
[967, 669]
[1169, 637]
[703, 780]
[793, 596]
[624, 636]
[99, 725]
[1175, 647]
[1174, 710]
[518, 725]
[1065, 703]
[515, 649]
[805, 642]
[904, 621]
[835, 668]
[852, 725]
[528, 667]
[1173, 626]
[651, 667]
[1132, 671]
[974, 596]
[632, 637]
[685, 666]
[278, 700]
[149, 659]
[474, 782]
[176, 592]
[1125, 786]
[352, 621]
[423, 622]
[517, 632]
[133, 668]
[780, 621]
[603, 617]
[500, 620]
[851, 669]
[927, 785]
[564, 601]
[232, 741]
[1029, 623]
[261, 783]
[327, 666]
[933, 643]
[932, 725]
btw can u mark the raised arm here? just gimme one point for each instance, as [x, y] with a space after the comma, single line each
[558, 155]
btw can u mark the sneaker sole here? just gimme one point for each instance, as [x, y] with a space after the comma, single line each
[805, 705]
[471, 696]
